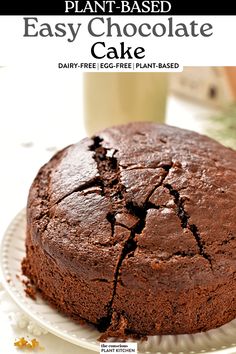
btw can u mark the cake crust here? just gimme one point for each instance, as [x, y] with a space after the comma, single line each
[134, 231]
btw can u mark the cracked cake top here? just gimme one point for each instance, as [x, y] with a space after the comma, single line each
[139, 199]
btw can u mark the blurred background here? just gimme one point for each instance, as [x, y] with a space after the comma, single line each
[42, 112]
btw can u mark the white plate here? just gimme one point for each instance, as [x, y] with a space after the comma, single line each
[221, 340]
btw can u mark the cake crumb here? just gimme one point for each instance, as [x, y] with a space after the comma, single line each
[29, 289]
[30, 292]
[22, 343]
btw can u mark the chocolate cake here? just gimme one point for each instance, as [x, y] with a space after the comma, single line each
[134, 231]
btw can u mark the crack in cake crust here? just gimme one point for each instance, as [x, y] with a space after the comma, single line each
[109, 172]
[184, 218]
[82, 188]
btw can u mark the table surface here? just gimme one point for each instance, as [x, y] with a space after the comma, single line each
[36, 120]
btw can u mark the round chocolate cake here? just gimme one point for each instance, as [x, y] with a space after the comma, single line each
[134, 231]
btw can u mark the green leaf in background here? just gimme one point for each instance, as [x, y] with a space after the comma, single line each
[223, 127]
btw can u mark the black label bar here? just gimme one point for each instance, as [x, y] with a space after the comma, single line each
[117, 7]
